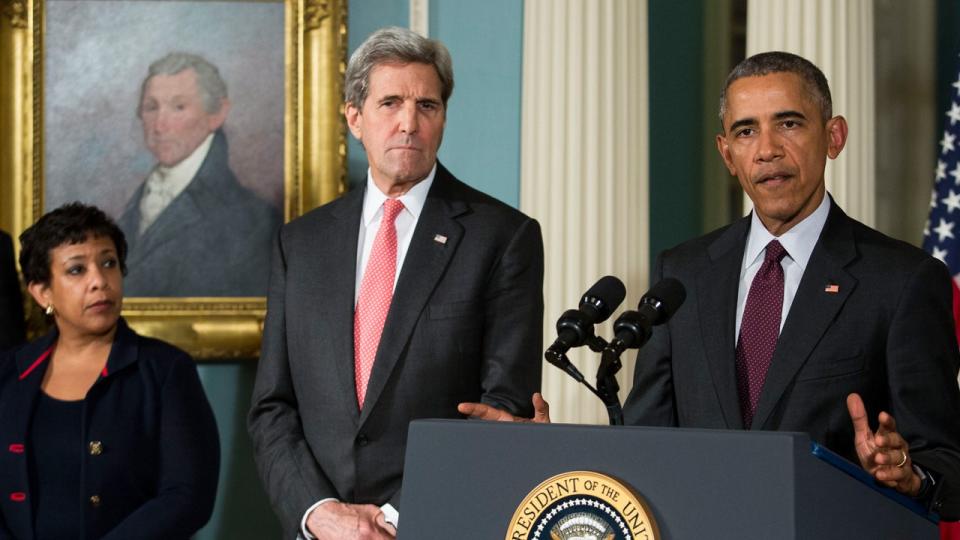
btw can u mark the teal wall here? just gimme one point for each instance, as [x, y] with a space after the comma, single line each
[242, 509]
[481, 143]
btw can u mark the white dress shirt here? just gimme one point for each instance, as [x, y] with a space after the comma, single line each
[799, 242]
[373, 199]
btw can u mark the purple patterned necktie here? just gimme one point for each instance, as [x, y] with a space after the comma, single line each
[759, 330]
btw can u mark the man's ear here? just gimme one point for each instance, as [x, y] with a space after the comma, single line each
[215, 120]
[836, 136]
[353, 115]
[724, 148]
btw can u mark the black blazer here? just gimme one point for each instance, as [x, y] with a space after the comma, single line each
[156, 473]
[11, 302]
[887, 333]
[465, 324]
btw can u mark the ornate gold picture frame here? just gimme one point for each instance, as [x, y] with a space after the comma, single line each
[314, 158]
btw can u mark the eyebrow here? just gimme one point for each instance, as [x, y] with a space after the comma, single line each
[105, 251]
[780, 115]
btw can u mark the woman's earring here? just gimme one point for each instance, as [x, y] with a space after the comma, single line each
[49, 310]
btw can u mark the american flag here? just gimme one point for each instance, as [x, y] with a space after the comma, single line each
[941, 237]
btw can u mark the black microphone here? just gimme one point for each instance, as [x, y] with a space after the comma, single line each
[633, 328]
[575, 326]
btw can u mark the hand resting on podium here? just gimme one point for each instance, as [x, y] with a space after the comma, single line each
[482, 411]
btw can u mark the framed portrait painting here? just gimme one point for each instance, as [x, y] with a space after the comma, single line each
[199, 126]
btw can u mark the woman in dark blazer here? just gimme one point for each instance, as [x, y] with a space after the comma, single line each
[103, 433]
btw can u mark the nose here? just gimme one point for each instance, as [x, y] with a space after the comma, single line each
[160, 121]
[770, 146]
[98, 278]
[409, 121]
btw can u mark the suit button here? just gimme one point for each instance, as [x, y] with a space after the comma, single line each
[362, 440]
[95, 501]
[96, 448]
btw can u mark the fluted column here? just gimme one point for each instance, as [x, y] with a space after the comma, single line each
[584, 165]
[838, 37]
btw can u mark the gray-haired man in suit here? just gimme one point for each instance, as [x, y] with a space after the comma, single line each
[392, 303]
[193, 230]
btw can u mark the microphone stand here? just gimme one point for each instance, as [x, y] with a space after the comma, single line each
[559, 359]
[607, 385]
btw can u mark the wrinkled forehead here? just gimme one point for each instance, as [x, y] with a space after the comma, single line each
[767, 97]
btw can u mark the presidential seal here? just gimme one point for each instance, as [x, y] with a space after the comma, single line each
[582, 505]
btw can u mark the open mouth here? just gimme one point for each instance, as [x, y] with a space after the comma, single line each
[774, 178]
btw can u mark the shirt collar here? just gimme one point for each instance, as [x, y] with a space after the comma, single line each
[413, 200]
[799, 241]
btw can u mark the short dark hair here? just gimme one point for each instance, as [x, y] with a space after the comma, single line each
[782, 62]
[72, 223]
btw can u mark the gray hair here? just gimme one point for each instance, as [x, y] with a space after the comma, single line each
[395, 45]
[782, 62]
[213, 89]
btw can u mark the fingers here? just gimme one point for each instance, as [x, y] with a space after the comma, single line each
[387, 527]
[480, 411]
[858, 413]
[541, 409]
[887, 423]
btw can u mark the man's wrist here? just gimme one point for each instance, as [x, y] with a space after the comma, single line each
[303, 521]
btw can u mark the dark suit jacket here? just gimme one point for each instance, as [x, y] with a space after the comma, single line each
[11, 302]
[464, 325]
[157, 474]
[886, 334]
[213, 240]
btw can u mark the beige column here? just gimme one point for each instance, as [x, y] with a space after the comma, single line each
[836, 35]
[584, 165]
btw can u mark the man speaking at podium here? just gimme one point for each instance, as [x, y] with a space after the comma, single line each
[799, 318]
[392, 303]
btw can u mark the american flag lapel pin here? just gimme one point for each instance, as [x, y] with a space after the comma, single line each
[832, 288]
[440, 239]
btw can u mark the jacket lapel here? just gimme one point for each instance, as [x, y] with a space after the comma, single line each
[175, 220]
[812, 311]
[424, 265]
[337, 261]
[717, 288]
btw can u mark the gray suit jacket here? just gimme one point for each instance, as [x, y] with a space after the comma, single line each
[464, 325]
[886, 334]
[213, 240]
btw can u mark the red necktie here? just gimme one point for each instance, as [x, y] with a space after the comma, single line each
[376, 292]
[759, 330]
